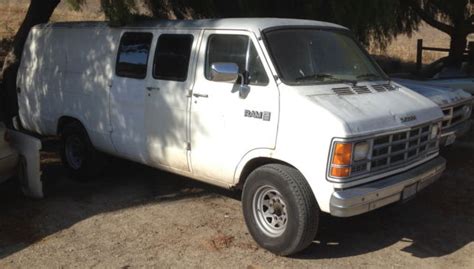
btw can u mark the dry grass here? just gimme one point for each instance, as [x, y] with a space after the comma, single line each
[12, 13]
[403, 48]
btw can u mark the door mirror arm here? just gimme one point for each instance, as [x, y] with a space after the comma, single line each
[244, 89]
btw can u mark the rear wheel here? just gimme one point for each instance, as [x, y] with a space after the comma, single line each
[78, 154]
[280, 210]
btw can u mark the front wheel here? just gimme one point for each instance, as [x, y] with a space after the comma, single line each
[280, 210]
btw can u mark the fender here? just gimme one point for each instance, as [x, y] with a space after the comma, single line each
[30, 178]
[101, 141]
[259, 153]
[320, 188]
[251, 155]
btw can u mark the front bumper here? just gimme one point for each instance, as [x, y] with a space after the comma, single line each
[368, 197]
[457, 131]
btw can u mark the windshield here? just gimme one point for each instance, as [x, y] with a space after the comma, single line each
[314, 56]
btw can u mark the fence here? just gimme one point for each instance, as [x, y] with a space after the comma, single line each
[420, 48]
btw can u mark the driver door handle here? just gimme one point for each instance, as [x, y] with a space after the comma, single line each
[150, 89]
[200, 95]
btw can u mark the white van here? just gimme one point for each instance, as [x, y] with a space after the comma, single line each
[292, 112]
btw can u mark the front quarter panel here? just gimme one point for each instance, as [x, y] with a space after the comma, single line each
[304, 139]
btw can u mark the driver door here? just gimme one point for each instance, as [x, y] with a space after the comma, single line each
[227, 122]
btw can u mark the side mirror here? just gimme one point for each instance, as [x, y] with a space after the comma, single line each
[224, 72]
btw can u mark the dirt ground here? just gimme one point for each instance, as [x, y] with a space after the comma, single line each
[134, 216]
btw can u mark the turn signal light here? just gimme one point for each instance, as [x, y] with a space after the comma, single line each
[340, 172]
[341, 159]
[342, 154]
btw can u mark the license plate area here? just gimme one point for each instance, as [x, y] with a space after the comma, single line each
[409, 191]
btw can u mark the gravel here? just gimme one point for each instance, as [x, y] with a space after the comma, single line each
[134, 216]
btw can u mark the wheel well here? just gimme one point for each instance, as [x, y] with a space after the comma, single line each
[254, 164]
[66, 120]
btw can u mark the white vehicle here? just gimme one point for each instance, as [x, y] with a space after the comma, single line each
[440, 73]
[293, 112]
[19, 156]
[9, 157]
[456, 106]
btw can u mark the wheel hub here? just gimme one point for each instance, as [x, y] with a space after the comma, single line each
[270, 211]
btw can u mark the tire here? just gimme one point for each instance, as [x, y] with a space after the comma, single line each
[280, 210]
[78, 155]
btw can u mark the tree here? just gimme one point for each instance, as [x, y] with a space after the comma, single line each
[453, 17]
[371, 20]
[38, 12]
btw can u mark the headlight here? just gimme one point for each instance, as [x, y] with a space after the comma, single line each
[434, 131]
[361, 151]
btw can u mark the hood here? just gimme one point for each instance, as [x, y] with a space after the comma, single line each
[441, 95]
[375, 111]
[467, 84]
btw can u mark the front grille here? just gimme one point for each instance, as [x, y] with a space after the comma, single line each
[401, 148]
[454, 115]
[392, 151]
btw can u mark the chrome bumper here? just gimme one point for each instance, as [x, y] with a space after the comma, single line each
[458, 130]
[365, 198]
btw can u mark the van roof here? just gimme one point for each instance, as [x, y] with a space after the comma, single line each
[254, 24]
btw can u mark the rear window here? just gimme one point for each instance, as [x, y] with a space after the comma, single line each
[172, 57]
[133, 54]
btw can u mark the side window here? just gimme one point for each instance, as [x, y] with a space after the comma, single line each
[172, 57]
[133, 54]
[237, 49]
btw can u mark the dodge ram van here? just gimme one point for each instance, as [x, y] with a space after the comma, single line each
[292, 112]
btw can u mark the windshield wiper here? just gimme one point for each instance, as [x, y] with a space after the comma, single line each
[368, 76]
[324, 77]
[319, 77]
